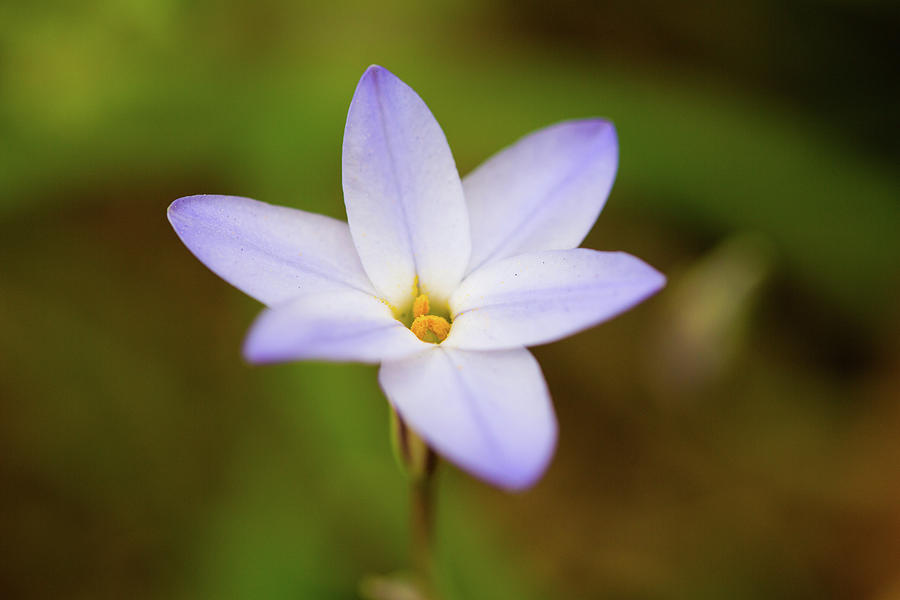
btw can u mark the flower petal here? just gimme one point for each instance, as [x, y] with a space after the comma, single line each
[404, 199]
[344, 326]
[488, 412]
[271, 253]
[542, 193]
[544, 296]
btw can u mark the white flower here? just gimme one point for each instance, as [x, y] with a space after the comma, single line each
[478, 269]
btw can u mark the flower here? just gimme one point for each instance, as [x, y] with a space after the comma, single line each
[443, 281]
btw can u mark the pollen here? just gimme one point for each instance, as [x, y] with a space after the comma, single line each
[428, 327]
[421, 306]
[431, 328]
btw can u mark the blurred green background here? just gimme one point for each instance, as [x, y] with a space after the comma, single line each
[738, 436]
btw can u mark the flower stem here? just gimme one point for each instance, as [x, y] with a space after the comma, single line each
[422, 522]
[420, 462]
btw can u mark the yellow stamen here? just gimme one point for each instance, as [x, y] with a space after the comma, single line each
[421, 306]
[430, 328]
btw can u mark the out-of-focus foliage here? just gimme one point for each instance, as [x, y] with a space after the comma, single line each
[735, 437]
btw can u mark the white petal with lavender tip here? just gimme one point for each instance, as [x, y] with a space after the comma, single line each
[347, 326]
[542, 193]
[272, 253]
[545, 296]
[404, 198]
[488, 412]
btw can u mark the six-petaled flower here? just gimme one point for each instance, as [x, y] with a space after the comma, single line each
[442, 281]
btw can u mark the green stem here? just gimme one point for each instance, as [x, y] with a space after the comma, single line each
[422, 522]
[419, 461]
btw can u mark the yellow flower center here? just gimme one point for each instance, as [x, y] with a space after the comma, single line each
[421, 306]
[428, 328]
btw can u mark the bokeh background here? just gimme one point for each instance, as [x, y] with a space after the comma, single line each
[738, 436]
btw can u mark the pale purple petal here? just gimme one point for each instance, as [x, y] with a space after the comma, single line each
[343, 326]
[404, 198]
[488, 412]
[544, 296]
[271, 253]
[542, 193]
